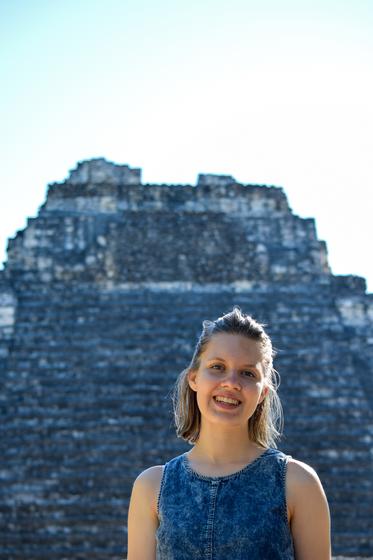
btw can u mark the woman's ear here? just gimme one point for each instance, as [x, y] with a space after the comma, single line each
[264, 393]
[192, 380]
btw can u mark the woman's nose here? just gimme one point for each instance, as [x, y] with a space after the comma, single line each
[232, 379]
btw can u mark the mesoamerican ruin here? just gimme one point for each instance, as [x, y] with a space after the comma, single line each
[101, 300]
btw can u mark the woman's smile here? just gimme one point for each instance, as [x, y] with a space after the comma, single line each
[226, 403]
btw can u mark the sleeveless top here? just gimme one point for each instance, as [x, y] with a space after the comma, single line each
[241, 516]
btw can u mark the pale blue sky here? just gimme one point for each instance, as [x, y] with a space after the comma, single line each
[273, 92]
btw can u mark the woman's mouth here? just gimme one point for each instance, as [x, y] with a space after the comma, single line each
[226, 402]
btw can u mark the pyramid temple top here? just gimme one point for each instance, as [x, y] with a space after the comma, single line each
[98, 170]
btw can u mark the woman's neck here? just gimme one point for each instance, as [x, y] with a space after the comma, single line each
[221, 447]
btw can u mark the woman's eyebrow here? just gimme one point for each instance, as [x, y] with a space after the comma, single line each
[255, 366]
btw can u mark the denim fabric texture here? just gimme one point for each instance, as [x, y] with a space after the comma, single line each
[241, 516]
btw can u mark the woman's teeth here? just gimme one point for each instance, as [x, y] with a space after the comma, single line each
[227, 400]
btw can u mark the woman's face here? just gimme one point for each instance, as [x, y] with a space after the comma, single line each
[229, 382]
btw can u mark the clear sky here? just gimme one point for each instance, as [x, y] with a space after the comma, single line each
[270, 91]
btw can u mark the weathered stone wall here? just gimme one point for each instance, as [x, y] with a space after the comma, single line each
[101, 301]
[8, 306]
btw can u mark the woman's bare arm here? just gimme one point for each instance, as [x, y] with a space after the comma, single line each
[308, 513]
[142, 515]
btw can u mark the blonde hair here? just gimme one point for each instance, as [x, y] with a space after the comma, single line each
[265, 425]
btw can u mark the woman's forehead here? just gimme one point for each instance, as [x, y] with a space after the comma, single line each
[228, 346]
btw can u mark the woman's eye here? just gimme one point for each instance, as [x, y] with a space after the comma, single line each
[248, 373]
[216, 366]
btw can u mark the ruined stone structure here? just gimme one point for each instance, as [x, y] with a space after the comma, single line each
[101, 300]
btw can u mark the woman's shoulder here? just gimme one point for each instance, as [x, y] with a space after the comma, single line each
[148, 482]
[308, 511]
[147, 485]
[301, 474]
[303, 485]
[150, 477]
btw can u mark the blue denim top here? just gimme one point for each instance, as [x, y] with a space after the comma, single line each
[241, 516]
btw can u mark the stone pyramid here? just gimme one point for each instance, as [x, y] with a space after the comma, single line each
[101, 300]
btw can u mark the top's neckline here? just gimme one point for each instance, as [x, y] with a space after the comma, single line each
[190, 469]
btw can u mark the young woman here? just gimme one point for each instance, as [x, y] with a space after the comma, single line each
[233, 496]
